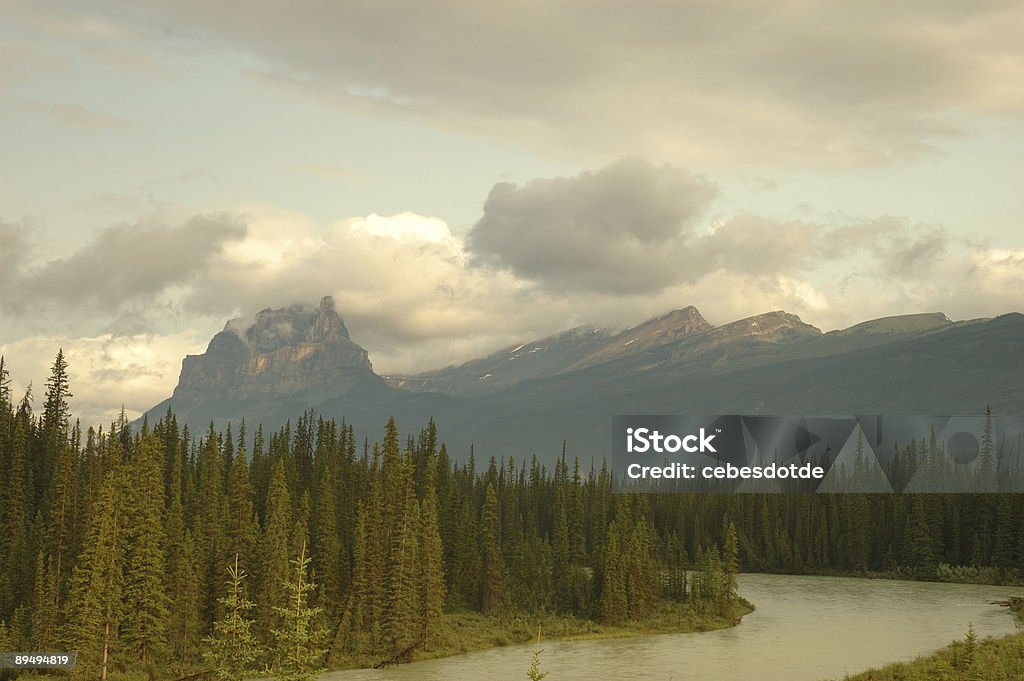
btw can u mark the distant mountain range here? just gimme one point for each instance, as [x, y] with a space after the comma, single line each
[530, 397]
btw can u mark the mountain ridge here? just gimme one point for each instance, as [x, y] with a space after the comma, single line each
[528, 398]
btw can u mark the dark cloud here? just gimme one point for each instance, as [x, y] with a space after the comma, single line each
[128, 262]
[620, 229]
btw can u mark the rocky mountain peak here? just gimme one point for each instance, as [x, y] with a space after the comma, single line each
[290, 326]
[673, 325]
[774, 325]
[281, 351]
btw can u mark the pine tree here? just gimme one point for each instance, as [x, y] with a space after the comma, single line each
[327, 548]
[14, 511]
[44, 604]
[402, 591]
[211, 522]
[146, 611]
[5, 637]
[96, 604]
[299, 636]
[351, 635]
[730, 568]
[921, 541]
[613, 589]
[274, 548]
[986, 455]
[232, 649]
[490, 549]
[241, 528]
[431, 552]
[58, 476]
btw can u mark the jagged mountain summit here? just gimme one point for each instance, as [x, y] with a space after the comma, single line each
[283, 351]
[288, 354]
[531, 396]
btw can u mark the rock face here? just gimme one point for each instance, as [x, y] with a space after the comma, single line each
[285, 351]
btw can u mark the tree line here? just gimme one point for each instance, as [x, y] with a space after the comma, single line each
[161, 548]
[309, 546]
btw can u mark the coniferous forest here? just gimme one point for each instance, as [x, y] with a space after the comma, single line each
[158, 549]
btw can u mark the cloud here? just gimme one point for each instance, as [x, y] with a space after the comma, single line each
[825, 83]
[105, 371]
[610, 247]
[622, 228]
[123, 263]
[754, 245]
[13, 250]
[81, 118]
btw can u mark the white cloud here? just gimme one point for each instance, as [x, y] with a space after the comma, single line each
[414, 294]
[105, 371]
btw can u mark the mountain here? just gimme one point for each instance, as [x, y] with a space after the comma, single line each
[294, 355]
[530, 397]
[511, 365]
[563, 352]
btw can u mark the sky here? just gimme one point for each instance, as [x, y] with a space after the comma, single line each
[464, 176]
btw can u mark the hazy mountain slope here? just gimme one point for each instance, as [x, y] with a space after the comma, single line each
[568, 386]
[570, 350]
[958, 371]
[509, 366]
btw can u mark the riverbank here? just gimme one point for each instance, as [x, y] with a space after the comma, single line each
[466, 632]
[993, 659]
[942, 573]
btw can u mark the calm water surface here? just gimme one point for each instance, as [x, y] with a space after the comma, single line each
[804, 629]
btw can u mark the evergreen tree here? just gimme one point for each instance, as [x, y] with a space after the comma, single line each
[44, 605]
[96, 605]
[146, 612]
[299, 636]
[730, 568]
[493, 571]
[274, 548]
[921, 541]
[232, 649]
[431, 551]
[614, 608]
[402, 595]
[241, 528]
[327, 549]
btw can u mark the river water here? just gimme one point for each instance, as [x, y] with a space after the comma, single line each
[804, 629]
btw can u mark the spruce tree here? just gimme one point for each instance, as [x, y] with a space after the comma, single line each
[232, 650]
[613, 588]
[146, 606]
[327, 549]
[96, 605]
[274, 549]
[211, 521]
[730, 568]
[490, 549]
[431, 552]
[241, 527]
[300, 635]
[402, 592]
[14, 513]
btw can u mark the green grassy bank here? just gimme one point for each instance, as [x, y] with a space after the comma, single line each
[465, 632]
[993, 659]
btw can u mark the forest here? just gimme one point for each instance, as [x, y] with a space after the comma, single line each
[155, 549]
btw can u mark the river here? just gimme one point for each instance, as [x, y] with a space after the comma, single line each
[804, 629]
